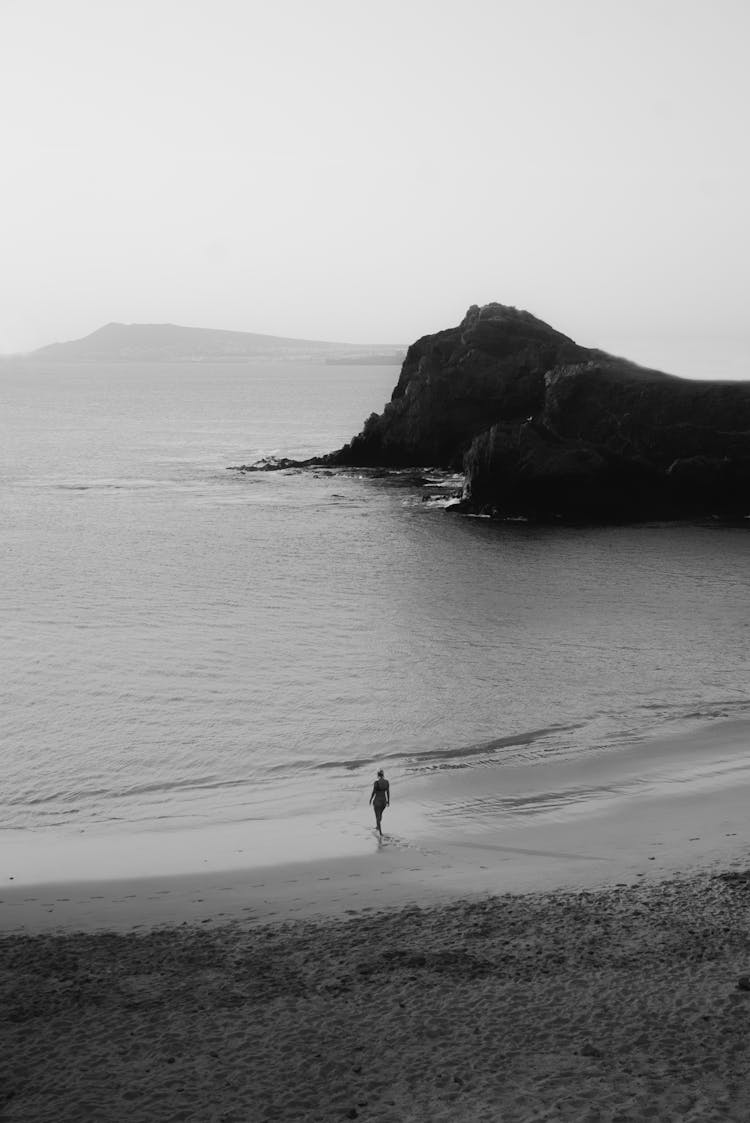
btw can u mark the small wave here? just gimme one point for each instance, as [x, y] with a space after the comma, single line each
[444, 756]
[348, 765]
[707, 711]
[430, 502]
[351, 500]
[445, 479]
[209, 783]
[105, 485]
[483, 748]
[717, 710]
[62, 813]
[443, 502]
[198, 783]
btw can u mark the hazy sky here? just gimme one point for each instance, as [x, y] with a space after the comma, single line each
[363, 170]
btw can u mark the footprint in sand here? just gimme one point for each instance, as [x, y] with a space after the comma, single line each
[696, 839]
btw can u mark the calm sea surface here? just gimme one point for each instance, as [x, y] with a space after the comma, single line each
[187, 645]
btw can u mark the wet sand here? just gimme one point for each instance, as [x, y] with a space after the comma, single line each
[649, 838]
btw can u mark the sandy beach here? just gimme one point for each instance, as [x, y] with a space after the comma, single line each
[583, 967]
[615, 1004]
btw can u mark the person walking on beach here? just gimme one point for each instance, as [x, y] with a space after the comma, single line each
[380, 797]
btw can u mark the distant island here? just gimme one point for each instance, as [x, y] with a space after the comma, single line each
[165, 343]
[547, 430]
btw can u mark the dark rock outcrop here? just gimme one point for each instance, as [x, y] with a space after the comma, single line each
[454, 384]
[547, 429]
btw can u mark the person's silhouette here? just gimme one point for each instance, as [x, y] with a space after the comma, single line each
[380, 798]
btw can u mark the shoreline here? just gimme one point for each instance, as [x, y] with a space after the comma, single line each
[586, 966]
[671, 803]
[635, 839]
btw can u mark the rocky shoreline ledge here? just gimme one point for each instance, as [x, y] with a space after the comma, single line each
[625, 1003]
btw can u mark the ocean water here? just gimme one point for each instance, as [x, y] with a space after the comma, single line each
[184, 645]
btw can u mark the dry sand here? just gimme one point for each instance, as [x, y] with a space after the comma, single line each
[619, 1004]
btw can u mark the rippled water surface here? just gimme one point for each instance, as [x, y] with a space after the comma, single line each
[184, 644]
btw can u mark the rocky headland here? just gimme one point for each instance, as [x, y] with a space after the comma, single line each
[546, 429]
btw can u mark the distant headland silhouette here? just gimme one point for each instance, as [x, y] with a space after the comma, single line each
[171, 343]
